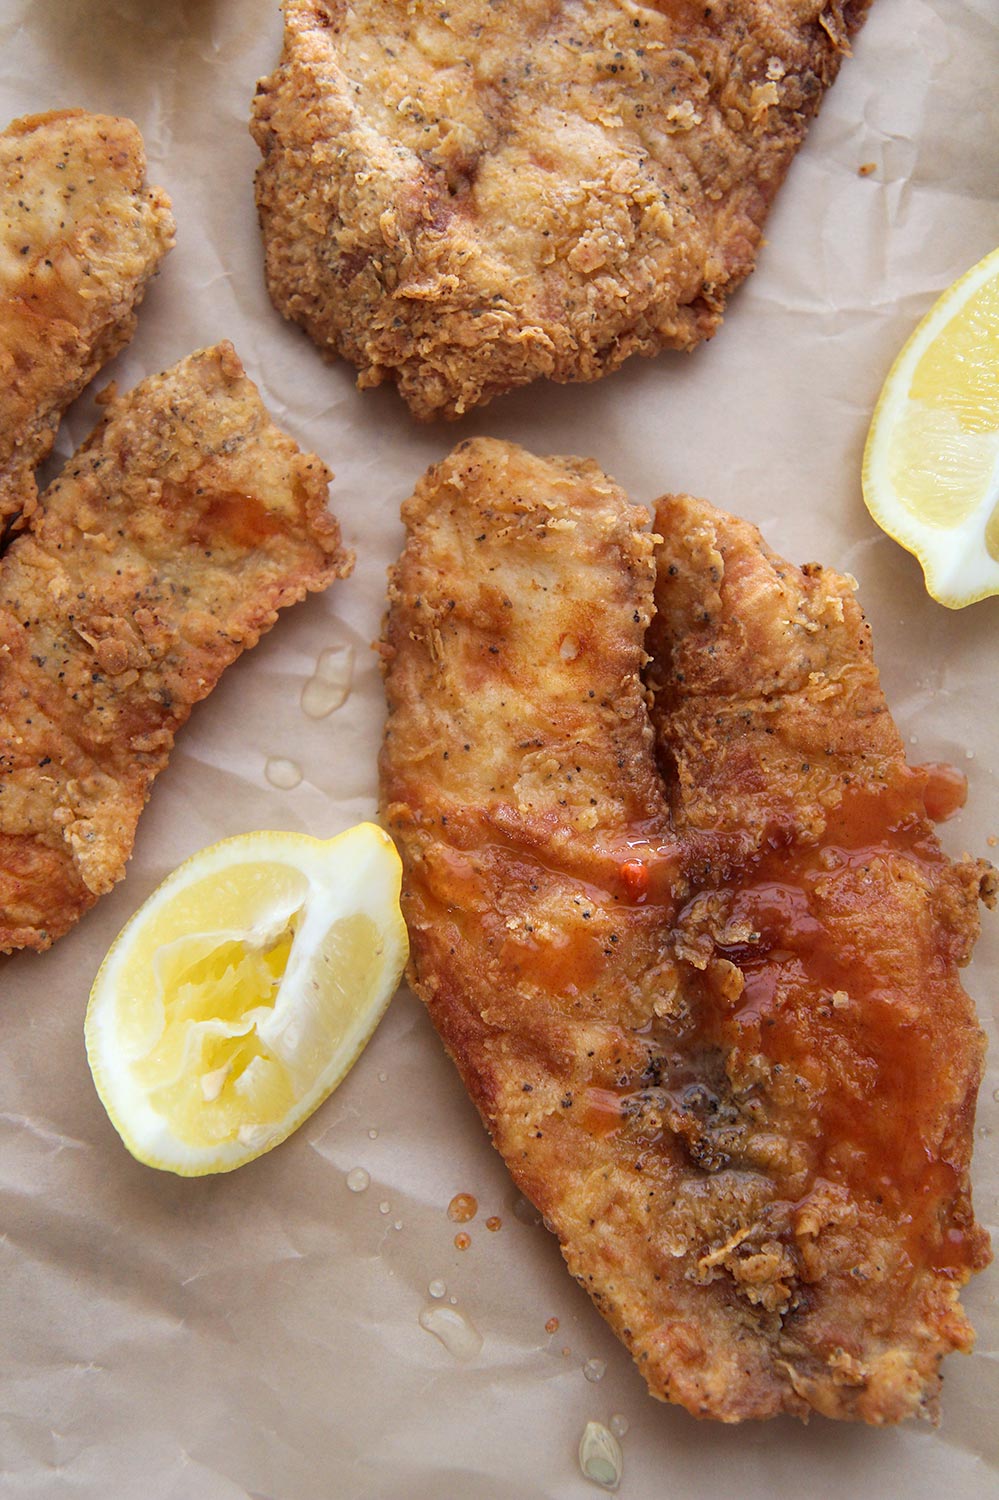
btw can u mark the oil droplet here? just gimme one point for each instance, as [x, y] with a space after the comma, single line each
[551, 1326]
[372, 1134]
[437, 1288]
[619, 1425]
[456, 1332]
[526, 1212]
[600, 1456]
[357, 1180]
[383, 1208]
[284, 774]
[462, 1241]
[566, 1351]
[383, 1078]
[462, 1208]
[594, 1369]
[397, 1224]
[329, 686]
[453, 1301]
[494, 1223]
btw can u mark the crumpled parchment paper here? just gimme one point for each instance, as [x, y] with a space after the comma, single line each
[257, 1334]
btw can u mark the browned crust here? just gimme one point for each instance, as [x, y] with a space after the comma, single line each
[164, 550]
[745, 1270]
[81, 235]
[464, 199]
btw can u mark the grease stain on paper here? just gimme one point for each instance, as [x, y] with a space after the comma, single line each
[284, 774]
[329, 686]
[454, 1329]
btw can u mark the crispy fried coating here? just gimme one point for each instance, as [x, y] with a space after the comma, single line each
[463, 198]
[685, 928]
[80, 236]
[164, 550]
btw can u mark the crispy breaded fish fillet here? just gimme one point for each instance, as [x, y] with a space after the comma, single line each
[163, 551]
[80, 235]
[708, 1009]
[463, 198]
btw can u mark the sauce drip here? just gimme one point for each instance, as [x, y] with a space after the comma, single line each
[226, 521]
[849, 985]
[848, 993]
[945, 792]
[462, 1208]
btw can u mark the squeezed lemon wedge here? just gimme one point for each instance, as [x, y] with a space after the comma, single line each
[931, 464]
[241, 993]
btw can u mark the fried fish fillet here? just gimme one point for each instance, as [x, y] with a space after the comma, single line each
[80, 235]
[163, 551]
[463, 198]
[691, 939]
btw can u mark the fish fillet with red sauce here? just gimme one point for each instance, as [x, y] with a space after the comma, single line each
[684, 925]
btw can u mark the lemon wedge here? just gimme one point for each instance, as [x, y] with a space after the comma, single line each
[242, 992]
[931, 465]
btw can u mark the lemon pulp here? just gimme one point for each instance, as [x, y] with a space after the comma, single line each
[945, 447]
[959, 371]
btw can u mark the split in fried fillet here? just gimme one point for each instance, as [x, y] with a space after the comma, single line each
[163, 551]
[80, 235]
[712, 1021]
[463, 198]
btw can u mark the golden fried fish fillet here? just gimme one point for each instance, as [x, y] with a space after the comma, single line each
[80, 235]
[691, 941]
[463, 198]
[164, 550]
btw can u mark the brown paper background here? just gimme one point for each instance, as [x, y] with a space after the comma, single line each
[257, 1334]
